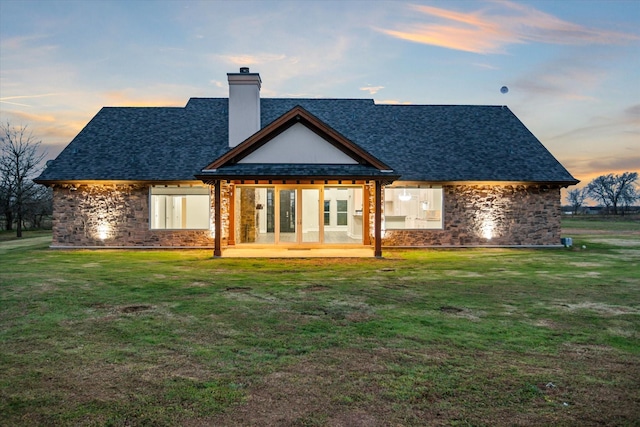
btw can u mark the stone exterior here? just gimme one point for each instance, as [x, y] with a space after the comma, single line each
[114, 216]
[118, 216]
[226, 198]
[247, 224]
[514, 215]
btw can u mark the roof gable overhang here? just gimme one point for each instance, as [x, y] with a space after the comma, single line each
[286, 121]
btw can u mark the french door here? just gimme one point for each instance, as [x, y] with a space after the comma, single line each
[298, 215]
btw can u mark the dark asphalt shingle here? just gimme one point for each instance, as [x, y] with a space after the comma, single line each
[420, 142]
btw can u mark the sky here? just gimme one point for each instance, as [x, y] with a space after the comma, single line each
[572, 67]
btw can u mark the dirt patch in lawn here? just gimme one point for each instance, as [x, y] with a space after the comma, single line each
[357, 387]
[605, 309]
[461, 312]
[238, 289]
[587, 264]
[300, 394]
[135, 308]
[316, 288]
[197, 285]
[461, 273]
[546, 323]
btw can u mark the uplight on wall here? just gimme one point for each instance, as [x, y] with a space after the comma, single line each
[103, 231]
[487, 229]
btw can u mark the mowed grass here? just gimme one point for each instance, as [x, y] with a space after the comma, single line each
[429, 337]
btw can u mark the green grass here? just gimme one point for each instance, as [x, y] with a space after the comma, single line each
[26, 234]
[627, 223]
[444, 337]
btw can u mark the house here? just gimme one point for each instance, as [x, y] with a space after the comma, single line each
[266, 173]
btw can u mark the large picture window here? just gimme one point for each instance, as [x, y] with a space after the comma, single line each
[180, 208]
[413, 208]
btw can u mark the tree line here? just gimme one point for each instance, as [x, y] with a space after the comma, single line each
[23, 203]
[616, 193]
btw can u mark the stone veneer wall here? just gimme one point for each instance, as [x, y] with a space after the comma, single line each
[247, 216]
[514, 214]
[117, 215]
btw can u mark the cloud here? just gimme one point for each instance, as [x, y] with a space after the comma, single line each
[616, 164]
[485, 66]
[573, 77]
[22, 43]
[392, 102]
[498, 25]
[626, 121]
[248, 59]
[12, 99]
[372, 89]
[22, 117]
[632, 115]
[136, 98]
[586, 169]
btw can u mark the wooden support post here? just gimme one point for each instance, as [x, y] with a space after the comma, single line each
[232, 216]
[366, 227]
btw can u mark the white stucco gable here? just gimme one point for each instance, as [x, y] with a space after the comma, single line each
[298, 144]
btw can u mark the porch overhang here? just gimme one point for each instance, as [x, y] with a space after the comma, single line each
[296, 172]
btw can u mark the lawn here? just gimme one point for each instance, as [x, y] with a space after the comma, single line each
[429, 337]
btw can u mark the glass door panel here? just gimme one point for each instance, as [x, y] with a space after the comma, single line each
[343, 207]
[310, 215]
[287, 217]
[297, 215]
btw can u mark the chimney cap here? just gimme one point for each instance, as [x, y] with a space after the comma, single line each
[244, 77]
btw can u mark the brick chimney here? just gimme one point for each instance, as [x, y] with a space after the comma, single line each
[244, 105]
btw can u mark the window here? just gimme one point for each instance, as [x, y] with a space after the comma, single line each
[342, 212]
[327, 212]
[179, 208]
[413, 208]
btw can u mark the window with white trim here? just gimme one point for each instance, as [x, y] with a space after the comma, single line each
[413, 208]
[175, 207]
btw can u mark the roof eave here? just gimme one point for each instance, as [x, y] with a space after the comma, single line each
[211, 178]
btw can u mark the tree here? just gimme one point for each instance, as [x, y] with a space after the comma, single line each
[629, 197]
[576, 198]
[611, 190]
[5, 200]
[19, 163]
[39, 206]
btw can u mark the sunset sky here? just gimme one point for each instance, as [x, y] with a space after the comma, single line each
[572, 67]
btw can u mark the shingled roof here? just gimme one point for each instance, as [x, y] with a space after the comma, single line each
[420, 142]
